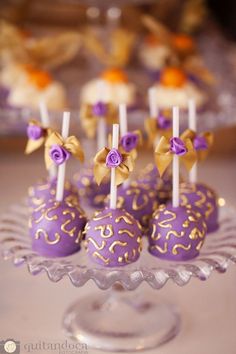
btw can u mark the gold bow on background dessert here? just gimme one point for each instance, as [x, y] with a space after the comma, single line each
[37, 135]
[89, 117]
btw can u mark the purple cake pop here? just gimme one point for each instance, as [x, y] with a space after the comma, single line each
[150, 177]
[202, 198]
[137, 199]
[44, 190]
[56, 228]
[113, 238]
[176, 234]
[89, 189]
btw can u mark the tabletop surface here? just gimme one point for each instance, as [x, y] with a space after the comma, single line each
[31, 308]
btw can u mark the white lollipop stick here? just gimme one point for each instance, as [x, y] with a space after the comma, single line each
[192, 124]
[153, 108]
[123, 119]
[175, 169]
[46, 123]
[123, 129]
[62, 167]
[101, 126]
[113, 187]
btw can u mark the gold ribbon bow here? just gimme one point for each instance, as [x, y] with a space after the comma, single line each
[33, 145]
[101, 170]
[163, 155]
[153, 130]
[89, 119]
[208, 136]
[71, 144]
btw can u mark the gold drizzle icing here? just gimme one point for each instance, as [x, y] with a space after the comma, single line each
[116, 243]
[98, 218]
[153, 236]
[135, 205]
[180, 246]
[37, 201]
[209, 210]
[125, 218]
[40, 208]
[123, 231]
[195, 233]
[79, 237]
[164, 223]
[67, 222]
[103, 229]
[42, 232]
[98, 255]
[199, 203]
[54, 217]
[174, 233]
[96, 245]
[159, 249]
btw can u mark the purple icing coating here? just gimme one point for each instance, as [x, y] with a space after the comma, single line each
[129, 141]
[44, 190]
[163, 122]
[89, 190]
[204, 200]
[113, 158]
[113, 238]
[34, 132]
[169, 239]
[138, 200]
[59, 154]
[177, 146]
[99, 109]
[200, 143]
[56, 228]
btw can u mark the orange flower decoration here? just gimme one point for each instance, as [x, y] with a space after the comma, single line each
[173, 77]
[114, 76]
[183, 43]
[152, 40]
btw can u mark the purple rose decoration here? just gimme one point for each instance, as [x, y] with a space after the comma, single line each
[34, 132]
[177, 146]
[163, 122]
[129, 141]
[113, 158]
[200, 143]
[58, 154]
[100, 109]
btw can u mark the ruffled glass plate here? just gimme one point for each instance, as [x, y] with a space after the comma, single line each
[100, 319]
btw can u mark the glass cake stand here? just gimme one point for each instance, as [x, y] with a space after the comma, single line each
[120, 320]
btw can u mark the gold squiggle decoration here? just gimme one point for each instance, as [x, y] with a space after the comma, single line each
[135, 205]
[123, 231]
[159, 249]
[103, 229]
[37, 201]
[180, 246]
[54, 217]
[200, 203]
[174, 233]
[98, 218]
[40, 208]
[209, 210]
[96, 245]
[125, 219]
[154, 229]
[44, 233]
[67, 222]
[116, 243]
[98, 255]
[163, 223]
[79, 237]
